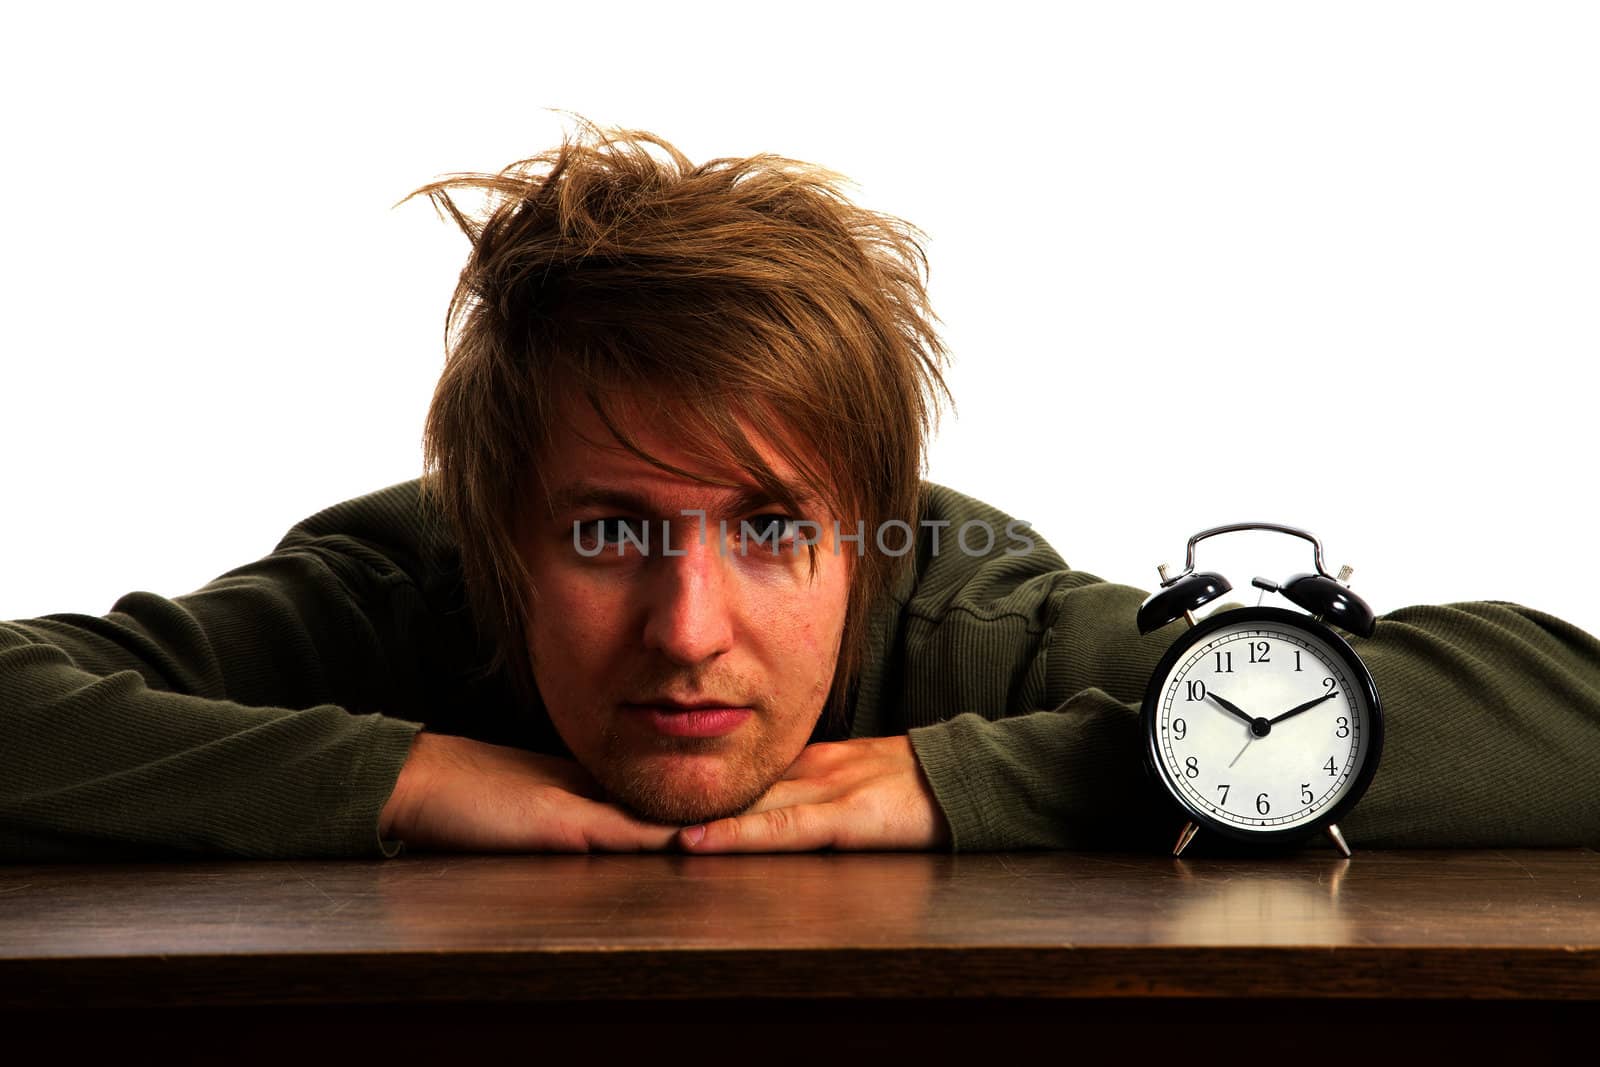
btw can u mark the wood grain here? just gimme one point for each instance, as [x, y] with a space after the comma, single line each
[459, 929]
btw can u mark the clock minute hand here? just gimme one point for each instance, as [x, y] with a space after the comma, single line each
[1230, 706]
[1307, 706]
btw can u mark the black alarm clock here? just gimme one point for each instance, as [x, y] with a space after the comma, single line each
[1261, 723]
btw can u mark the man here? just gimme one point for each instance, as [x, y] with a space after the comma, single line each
[673, 581]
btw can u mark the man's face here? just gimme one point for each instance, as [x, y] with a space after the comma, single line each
[624, 642]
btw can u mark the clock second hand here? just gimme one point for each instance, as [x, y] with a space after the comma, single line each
[1258, 727]
[1307, 706]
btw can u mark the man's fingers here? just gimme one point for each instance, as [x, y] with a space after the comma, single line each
[608, 829]
[799, 828]
[818, 758]
[792, 793]
[821, 773]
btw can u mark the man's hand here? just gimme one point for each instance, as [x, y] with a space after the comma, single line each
[459, 794]
[867, 793]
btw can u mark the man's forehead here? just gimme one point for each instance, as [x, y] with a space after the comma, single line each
[587, 465]
[671, 496]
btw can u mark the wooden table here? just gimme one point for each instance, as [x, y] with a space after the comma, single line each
[1468, 950]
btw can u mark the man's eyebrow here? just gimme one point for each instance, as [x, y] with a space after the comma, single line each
[739, 501]
[585, 495]
[749, 498]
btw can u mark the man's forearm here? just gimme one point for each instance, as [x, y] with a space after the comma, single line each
[457, 794]
[394, 820]
[100, 768]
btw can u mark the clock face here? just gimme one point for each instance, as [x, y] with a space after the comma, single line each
[1262, 722]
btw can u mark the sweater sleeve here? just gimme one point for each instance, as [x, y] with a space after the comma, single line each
[1053, 762]
[244, 719]
[1491, 713]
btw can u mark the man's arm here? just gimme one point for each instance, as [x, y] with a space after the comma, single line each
[462, 795]
[274, 713]
[218, 723]
[1492, 736]
[1019, 681]
[963, 633]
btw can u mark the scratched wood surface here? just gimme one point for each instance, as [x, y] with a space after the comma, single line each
[475, 928]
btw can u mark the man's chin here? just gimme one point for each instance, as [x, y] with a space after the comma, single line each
[681, 811]
[681, 800]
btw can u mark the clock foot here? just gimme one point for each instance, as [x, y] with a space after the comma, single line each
[1338, 839]
[1189, 830]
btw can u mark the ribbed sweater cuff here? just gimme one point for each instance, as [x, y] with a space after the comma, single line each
[938, 749]
[386, 743]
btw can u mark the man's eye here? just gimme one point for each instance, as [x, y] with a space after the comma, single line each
[773, 530]
[610, 532]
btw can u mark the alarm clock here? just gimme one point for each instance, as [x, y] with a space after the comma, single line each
[1261, 723]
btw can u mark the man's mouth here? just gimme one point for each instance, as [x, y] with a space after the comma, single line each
[696, 719]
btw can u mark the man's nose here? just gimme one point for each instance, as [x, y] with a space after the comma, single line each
[691, 606]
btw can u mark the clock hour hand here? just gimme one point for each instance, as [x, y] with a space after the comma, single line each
[1307, 706]
[1230, 706]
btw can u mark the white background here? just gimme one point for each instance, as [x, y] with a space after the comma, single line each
[1332, 265]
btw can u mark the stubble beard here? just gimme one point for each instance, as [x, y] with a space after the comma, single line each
[647, 788]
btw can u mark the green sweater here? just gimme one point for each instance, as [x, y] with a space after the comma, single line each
[268, 714]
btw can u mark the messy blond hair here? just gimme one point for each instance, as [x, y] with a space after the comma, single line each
[738, 287]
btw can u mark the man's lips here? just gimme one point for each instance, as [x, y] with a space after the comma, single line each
[700, 719]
